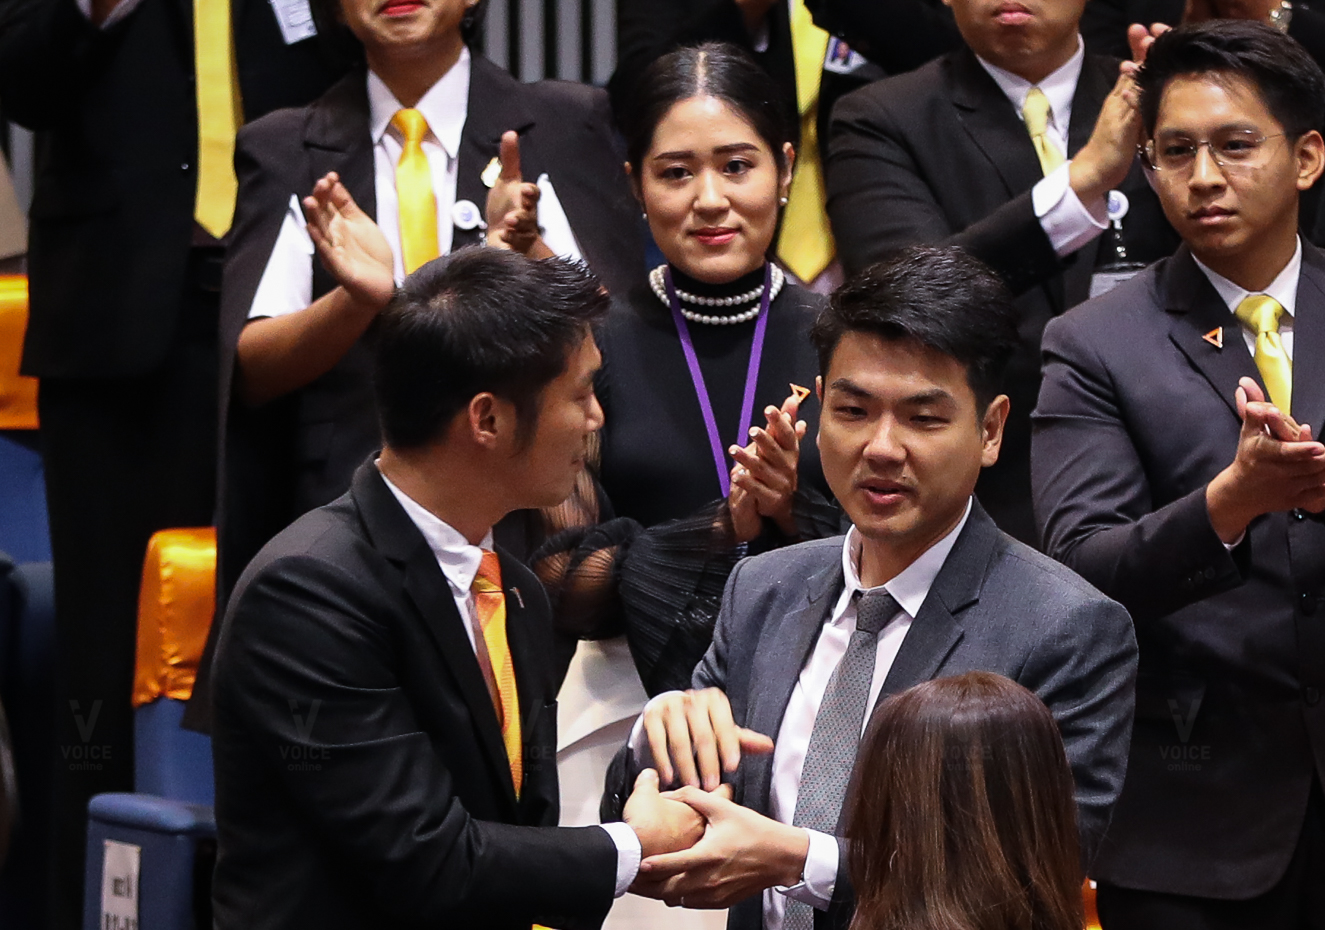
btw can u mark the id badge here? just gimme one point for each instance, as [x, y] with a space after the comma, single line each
[295, 18]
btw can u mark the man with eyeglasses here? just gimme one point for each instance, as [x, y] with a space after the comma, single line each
[1176, 465]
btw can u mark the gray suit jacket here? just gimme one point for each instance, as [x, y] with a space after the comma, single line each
[996, 605]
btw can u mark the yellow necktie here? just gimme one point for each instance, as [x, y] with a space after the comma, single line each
[218, 114]
[1261, 313]
[805, 244]
[490, 605]
[1035, 111]
[418, 206]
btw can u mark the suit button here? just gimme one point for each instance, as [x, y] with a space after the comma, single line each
[1299, 514]
[185, 167]
[1311, 695]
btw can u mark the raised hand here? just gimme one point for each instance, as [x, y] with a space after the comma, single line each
[1105, 159]
[741, 854]
[1277, 467]
[512, 207]
[766, 469]
[663, 824]
[693, 738]
[1140, 39]
[350, 244]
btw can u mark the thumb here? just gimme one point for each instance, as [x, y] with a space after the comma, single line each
[647, 782]
[1252, 390]
[707, 804]
[723, 791]
[510, 156]
[755, 743]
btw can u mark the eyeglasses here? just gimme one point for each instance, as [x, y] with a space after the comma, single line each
[1232, 151]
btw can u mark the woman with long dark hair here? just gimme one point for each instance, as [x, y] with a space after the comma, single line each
[961, 814]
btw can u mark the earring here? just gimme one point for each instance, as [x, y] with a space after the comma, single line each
[782, 201]
[645, 214]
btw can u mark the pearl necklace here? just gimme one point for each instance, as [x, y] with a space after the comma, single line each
[659, 286]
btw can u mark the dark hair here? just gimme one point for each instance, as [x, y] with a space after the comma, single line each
[1286, 77]
[961, 813]
[714, 69]
[478, 320]
[940, 297]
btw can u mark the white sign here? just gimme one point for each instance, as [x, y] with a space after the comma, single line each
[119, 886]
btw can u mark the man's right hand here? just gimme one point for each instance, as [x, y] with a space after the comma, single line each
[694, 739]
[350, 244]
[662, 824]
[1277, 467]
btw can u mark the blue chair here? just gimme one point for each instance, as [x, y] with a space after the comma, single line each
[168, 761]
[176, 845]
[25, 533]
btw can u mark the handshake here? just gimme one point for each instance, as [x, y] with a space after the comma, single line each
[700, 849]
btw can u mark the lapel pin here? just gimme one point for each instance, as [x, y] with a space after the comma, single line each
[465, 215]
[518, 598]
[1215, 337]
[491, 173]
[800, 392]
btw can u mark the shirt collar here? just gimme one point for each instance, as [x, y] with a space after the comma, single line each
[911, 586]
[444, 106]
[1059, 87]
[1283, 288]
[458, 557]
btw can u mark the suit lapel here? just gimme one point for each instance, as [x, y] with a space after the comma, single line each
[338, 138]
[935, 630]
[1195, 310]
[495, 105]
[392, 533]
[1309, 342]
[781, 653]
[993, 125]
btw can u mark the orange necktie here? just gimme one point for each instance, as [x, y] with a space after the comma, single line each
[490, 605]
[414, 197]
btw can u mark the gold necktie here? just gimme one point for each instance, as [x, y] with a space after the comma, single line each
[805, 244]
[1261, 313]
[1035, 111]
[414, 196]
[490, 605]
[217, 88]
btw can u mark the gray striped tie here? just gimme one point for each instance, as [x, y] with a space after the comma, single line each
[832, 750]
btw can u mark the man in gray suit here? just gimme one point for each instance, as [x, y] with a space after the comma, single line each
[924, 585]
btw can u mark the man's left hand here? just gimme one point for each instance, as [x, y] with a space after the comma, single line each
[740, 855]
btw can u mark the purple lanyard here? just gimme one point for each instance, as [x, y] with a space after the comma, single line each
[697, 376]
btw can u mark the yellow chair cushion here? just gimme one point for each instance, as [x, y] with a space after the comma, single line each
[175, 608]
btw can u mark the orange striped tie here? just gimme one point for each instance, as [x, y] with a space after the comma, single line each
[490, 605]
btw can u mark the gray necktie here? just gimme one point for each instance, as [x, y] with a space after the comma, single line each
[836, 733]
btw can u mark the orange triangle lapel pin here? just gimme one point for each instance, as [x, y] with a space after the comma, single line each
[800, 392]
[1215, 337]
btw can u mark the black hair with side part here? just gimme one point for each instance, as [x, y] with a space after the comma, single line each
[943, 299]
[713, 69]
[478, 320]
[1286, 77]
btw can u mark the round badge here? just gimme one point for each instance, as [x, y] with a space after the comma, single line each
[1117, 205]
[465, 215]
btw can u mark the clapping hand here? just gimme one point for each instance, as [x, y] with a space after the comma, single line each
[512, 207]
[764, 479]
[349, 243]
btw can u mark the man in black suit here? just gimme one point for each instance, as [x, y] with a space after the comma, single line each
[1170, 470]
[923, 586]
[945, 155]
[297, 328]
[124, 281]
[385, 718]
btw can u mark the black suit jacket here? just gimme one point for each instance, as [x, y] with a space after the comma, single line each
[299, 451]
[361, 779]
[940, 156]
[112, 209]
[995, 605]
[1136, 416]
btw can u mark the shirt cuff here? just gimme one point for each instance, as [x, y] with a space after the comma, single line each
[819, 877]
[628, 853]
[1067, 222]
[122, 9]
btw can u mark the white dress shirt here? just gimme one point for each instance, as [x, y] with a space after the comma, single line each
[1283, 289]
[1067, 222]
[287, 281]
[459, 561]
[909, 588]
